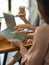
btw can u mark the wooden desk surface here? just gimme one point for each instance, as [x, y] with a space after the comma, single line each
[6, 47]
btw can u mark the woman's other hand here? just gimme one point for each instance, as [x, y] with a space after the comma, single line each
[15, 42]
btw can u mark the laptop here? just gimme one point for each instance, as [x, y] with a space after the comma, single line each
[10, 21]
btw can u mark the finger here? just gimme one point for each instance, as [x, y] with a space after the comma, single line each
[17, 32]
[23, 60]
[31, 34]
[18, 28]
[15, 27]
[14, 32]
[10, 40]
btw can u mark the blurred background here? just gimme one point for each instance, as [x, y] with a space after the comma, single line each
[12, 7]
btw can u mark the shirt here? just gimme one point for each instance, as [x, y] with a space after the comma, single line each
[38, 54]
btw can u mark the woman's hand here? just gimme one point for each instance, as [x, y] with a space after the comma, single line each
[15, 42]
[24, 60]
[24, 26]
[23, 17]
[20, 30]
[20, 27]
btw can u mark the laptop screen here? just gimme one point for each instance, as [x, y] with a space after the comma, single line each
[10, 21]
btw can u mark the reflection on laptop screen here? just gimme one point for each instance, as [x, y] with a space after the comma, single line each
[10, 21]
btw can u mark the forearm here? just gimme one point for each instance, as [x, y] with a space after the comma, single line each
[26, 35]
[23, 49]
[26, 21]
[31, 27]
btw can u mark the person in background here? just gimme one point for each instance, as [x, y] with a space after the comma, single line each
[27, 24]
[38, 54]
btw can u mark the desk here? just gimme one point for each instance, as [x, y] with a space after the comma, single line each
[5, 48]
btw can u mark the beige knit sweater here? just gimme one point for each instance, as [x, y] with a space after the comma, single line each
[38, 54]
